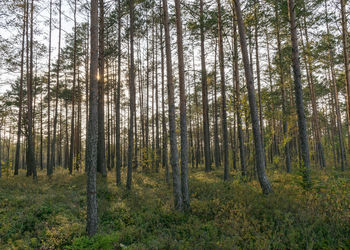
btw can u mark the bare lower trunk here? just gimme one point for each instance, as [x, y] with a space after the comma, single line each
[92, 132]
[183, 118]
[19, 124]
[30, 147]
[101, 161]
[223, 94]
[346, 62]
[178, 202]
[284, 101]
[164, 129]
[259, 152]
[238, 105]
[53, 144]
[132, 97]
[299, 96]
[48, 165]
[206, 133]
[117, 107]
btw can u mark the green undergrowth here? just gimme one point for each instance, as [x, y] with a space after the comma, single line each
[51, 214]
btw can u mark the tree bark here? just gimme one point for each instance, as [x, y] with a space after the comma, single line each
[101, 161]
[48, 165]
[174, 161]
[183, 118]
[117, 106]
[335, 95]
[164, 129]
[92, 132]
[132, 97]
[206, 133]
[216, 128]
[30, 148]
[346, 62]
[283, 90]
[71, 150]
[223, 93]
[259, 152]
[238, 104]
[19, 124]
[299, 96]
[53, 144]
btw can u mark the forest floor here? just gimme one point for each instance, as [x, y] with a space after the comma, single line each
[224, 215]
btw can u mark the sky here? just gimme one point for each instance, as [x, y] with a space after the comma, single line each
[41, 17]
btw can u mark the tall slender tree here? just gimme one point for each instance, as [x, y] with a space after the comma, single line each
[238, 101]
[259, 152]
[164, 129]
[283, 91]
[19, 123]
[223, 93]
[72, 135]
[92, 130]
[183, 118]
[346, 61]
[304, 144]
[117, 106]
[206, 132]
[48, 165]
[132, 96]
[335, 94]
[174, 161]
[101, 159]
[53, 144]
[31, 166]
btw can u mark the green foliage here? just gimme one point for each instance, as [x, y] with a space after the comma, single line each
[52, 214]
[96, 242]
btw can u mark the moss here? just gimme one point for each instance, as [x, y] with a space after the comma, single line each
[51, 214]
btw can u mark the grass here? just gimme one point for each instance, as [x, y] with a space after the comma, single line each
[224, 215]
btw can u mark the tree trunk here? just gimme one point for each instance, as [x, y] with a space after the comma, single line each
[117, 106]
[299, 96]
[178, 202]
[71, 151]
[216, 128]
[183, 118]
[335, 95]
[53, 144]
[206, 132]
[258, 72]
[132, 97]
[19, 124]
[346, 62]
[92, 131]
[164, 129]
[223, 94]
[238, 104]
[48, 165]
[259, 152]
[30, 148]
[283, 90]
[158, 151]
[309, 69]
[101, 161]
